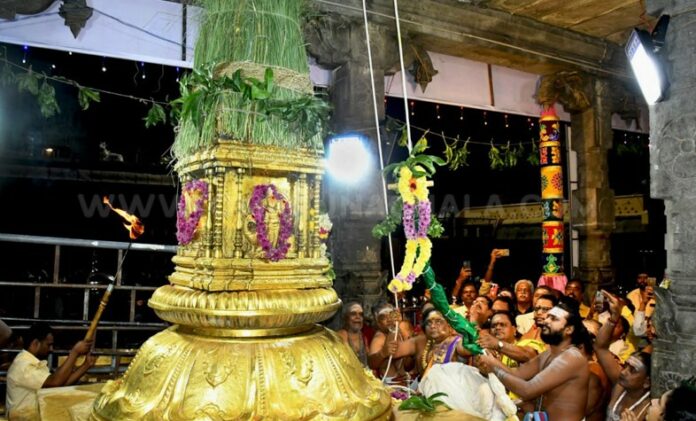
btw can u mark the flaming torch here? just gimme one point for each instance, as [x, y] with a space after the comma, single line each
[135, 229]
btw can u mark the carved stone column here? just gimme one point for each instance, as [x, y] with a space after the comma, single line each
[338, 42]
[673, 178]
[592, 212]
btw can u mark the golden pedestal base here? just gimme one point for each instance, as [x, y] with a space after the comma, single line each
[179, 375]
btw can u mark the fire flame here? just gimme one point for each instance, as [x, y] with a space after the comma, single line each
[134, 226]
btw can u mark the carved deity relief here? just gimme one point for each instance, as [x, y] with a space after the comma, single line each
[674, 165]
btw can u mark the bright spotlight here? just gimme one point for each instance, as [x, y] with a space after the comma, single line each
[641, 50]
[348, 160]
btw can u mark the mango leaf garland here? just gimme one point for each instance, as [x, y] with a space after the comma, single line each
[155, 115]
[85, 96]
[28, 82]
[495, 158]
[47, 100]
[533, 157]
[201, 89]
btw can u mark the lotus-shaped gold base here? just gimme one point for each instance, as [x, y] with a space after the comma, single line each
[178, 375]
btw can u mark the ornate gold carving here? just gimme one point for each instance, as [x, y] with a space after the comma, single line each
[246, 344]
[264, 309]
[259, 389]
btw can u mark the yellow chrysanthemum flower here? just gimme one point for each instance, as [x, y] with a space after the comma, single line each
[404, 185]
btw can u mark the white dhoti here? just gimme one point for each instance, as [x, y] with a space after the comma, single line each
[468, 391]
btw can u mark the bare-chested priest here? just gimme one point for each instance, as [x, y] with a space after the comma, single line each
[558, 378]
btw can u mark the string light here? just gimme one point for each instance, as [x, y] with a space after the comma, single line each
[142, 67]
[69, 53]
[485, 118]
[506, 121]
[413, 108]
[437, 111]
[103, 68]
[177, 75]
[26, 52]
[53, 66]
[461, 113]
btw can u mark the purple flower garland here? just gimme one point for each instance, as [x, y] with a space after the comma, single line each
[408, 219]
[186, 225]
[258, 212]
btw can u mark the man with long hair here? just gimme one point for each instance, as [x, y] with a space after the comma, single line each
[558, 378]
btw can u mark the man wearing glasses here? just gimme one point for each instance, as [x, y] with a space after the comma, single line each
[542, 306]
[526, 321]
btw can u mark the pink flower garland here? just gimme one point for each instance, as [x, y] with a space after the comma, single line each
[186, 225]
[258, 212]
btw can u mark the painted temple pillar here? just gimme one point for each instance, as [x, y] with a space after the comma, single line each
[339, 43]
[592, 204]
[673, 178]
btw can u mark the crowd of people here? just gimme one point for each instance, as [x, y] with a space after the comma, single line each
[556, 352]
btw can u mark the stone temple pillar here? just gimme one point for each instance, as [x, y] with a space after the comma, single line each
[588, 100]
[673, 178]
[339, 43]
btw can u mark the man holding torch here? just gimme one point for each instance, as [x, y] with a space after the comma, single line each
[29, 371]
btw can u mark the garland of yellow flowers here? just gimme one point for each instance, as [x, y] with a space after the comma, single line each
[414, 193]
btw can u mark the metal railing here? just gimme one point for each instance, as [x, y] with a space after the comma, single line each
[55, 286]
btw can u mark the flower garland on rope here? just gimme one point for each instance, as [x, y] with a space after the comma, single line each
[414, 193]
[258, 212]
[186, 225]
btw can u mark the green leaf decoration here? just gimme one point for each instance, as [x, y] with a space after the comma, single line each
[403, 141]
[85, 96]
[268, 79]
[155, 115]
[200, 91]
[391, 222]
[28, 82]
[456, 156]
[421, 145]
[509, 155]
[47, 100]
[423, 404]
[435, 230]
[495, 158]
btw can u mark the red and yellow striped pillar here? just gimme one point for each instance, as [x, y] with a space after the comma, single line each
[550, 160]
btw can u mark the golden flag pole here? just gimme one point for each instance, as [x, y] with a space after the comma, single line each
[95, 320]
[92, 330]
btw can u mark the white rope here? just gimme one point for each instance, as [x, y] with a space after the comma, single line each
[381, 165]
[403, 73]
[379, 135]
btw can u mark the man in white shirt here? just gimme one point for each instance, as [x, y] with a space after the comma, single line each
[29, 371]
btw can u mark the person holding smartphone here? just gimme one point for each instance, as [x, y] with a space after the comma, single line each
[642, 293]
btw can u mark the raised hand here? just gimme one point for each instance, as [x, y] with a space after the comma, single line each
[615, 303]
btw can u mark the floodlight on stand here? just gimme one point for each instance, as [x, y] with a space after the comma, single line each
[348, 159]
[641, 50]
